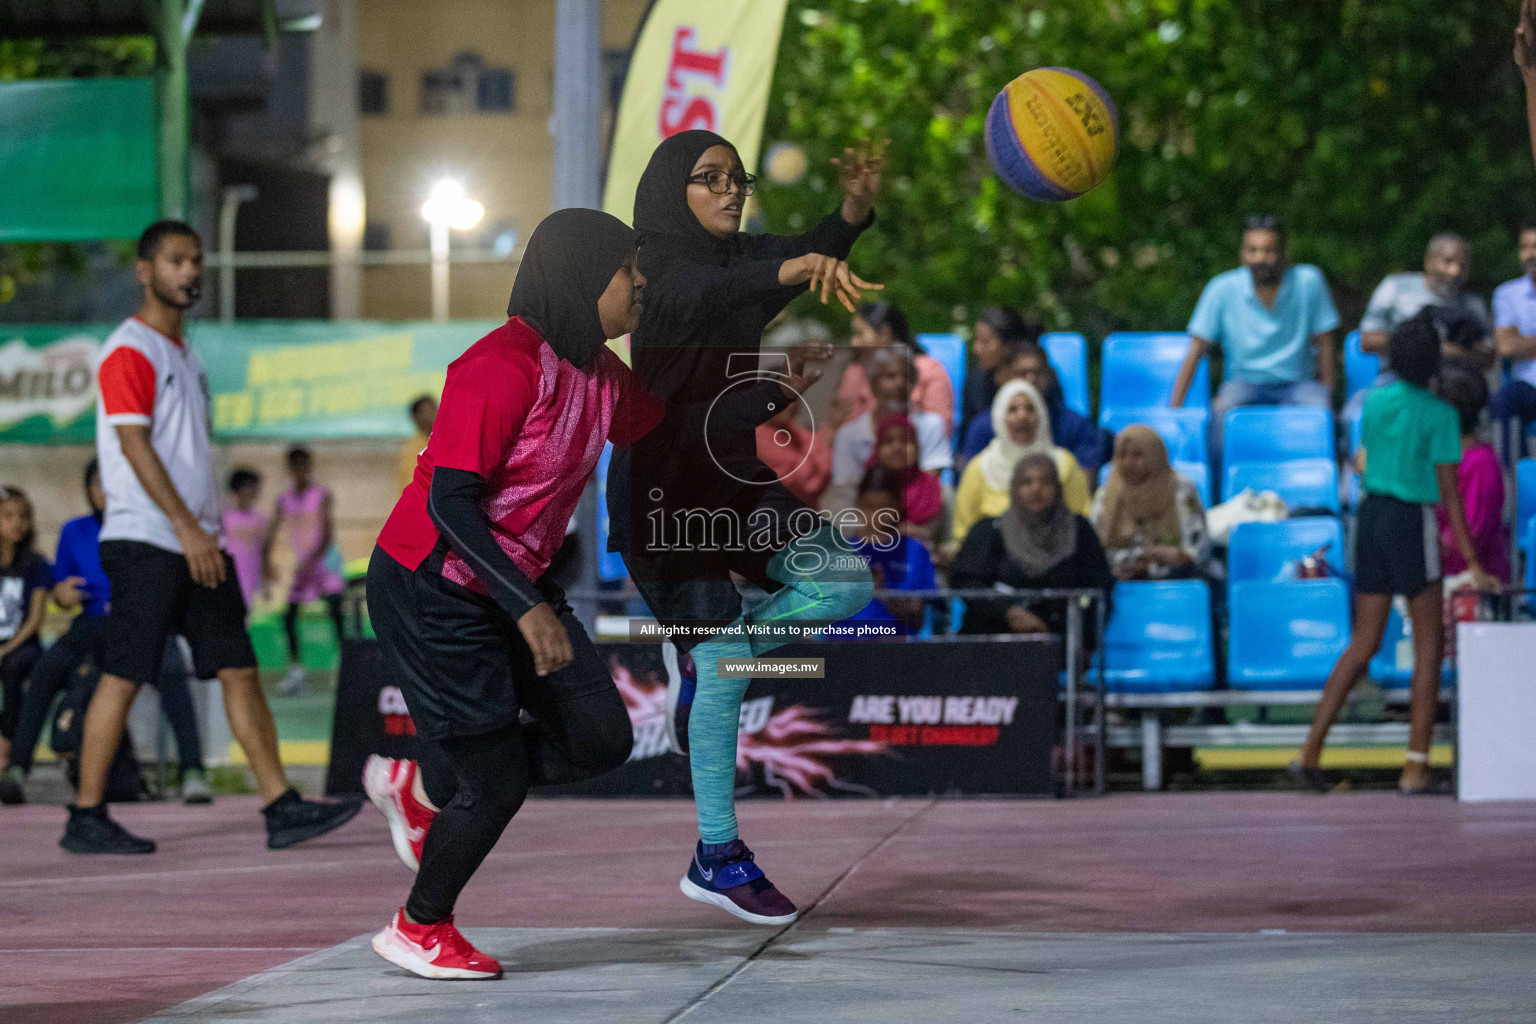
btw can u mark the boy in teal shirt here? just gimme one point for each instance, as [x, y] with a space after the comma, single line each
[1411, 444]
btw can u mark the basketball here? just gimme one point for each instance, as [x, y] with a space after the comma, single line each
[1051, 134]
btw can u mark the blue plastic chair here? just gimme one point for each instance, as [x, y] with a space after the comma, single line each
[1301, 483]
[949, 350]
[1360, 367]
[1258, 550]
[1286, 636]
[1068, 355]
[1182, 430]
[1140, 368]
[610, 564]
[1197, 473]
[1525, 500]
[1277, 433]
[1159, 638]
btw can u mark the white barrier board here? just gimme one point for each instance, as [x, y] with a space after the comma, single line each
[1496, 711]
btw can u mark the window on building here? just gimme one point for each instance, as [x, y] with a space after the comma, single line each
[494, 94]
[439, 91]
[375, 236]
[372, 92]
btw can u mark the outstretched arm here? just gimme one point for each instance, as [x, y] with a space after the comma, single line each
[1525, 59]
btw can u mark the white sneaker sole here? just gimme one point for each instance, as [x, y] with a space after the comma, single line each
[670, 659]
[694, 892]
[376, 784]
[399, 953]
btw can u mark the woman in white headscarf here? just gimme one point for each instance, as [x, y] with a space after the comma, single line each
[1021, 426]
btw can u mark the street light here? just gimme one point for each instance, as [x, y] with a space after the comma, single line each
[446, 207]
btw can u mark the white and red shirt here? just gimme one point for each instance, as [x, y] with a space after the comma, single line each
[149, 379]
[532, 426]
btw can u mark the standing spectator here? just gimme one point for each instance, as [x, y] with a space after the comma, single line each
[1479, 476]
[80, 583]
[161, 555]
[423, 415]
[1022, 427]
[994, 341]
[879, 325]
[1268, 318]
[245, 532]
[891, 371]
[897, 560]
[1149, 517]
[1442, 285]
[305, 509]
[1088, 442]
[25, 577]
[1036, 543]
[1513, 408]
[799, 458]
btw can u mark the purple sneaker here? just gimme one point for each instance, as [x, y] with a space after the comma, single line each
[682, 681]
[725, 875]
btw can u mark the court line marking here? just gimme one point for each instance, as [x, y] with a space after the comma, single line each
[736, 972]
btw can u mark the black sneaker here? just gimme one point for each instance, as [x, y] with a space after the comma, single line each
[90, 831]
[12, 790]
[1306, 778]
[291, 820]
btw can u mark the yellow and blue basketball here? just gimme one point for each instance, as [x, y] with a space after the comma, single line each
[1051, 134]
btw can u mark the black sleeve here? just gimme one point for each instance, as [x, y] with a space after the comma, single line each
[975, 568]
[454, 506]
[832, 236]
[1091, 554]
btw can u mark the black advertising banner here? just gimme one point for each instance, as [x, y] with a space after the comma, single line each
[961, 717]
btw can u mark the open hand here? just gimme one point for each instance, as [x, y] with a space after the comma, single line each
[833, 277]
[860, 170]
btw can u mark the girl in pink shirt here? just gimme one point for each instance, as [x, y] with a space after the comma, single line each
[245, 532]
[305, 509]
[1481, 479]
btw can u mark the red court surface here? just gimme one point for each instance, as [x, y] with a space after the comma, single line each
[98, 940]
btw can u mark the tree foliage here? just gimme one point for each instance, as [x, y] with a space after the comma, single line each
[1366, 126]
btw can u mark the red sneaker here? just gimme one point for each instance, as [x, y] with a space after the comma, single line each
[389, 784]
[433, 950]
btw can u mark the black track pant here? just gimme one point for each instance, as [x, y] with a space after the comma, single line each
[480, 782]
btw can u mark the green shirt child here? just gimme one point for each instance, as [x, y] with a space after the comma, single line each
[1406, 432]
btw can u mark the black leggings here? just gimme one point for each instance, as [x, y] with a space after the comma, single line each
[291, 623]
[480, 782]
[14, 669]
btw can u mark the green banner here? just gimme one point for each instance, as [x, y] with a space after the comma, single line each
[77, 159]
[286, 379]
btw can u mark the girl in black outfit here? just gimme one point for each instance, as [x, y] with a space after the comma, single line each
[25, 578]
[711, 291]
[1037, 543]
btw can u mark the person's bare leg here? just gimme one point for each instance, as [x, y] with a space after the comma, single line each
[105, 719]
[250, 720]
[1371, 611]
[1427, 613]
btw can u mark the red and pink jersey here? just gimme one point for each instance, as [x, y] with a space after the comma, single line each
[532, 426]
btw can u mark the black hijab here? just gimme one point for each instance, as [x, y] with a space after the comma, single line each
[570, 260]
[666, 225]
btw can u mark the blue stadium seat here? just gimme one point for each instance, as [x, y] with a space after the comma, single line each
[949, 350]
[1140, 368]
[1384, 670]
[1259, 550]
[1068, 355]
[1360, 367]
[1159, 638]
[1286, 636]
[1196, 473]
[1301, 483]
[1525, 501]
[1182, 430]
[1277, 433]
[610, 564]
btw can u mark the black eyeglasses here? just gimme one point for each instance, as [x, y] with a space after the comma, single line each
[719, 182]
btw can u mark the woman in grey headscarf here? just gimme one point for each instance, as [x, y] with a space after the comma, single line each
[1037, 543]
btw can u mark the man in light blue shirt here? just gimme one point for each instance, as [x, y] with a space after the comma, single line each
[1513, 407]
[1268, 318]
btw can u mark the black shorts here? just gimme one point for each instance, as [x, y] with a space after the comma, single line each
[459, 659]
[1397, 546]
[154, 598]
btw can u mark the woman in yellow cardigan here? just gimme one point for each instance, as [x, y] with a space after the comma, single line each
[1021, 426]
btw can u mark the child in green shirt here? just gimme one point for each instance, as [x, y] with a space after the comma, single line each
[1411, 444]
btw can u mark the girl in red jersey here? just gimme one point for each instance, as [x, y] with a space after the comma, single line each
[502, 682]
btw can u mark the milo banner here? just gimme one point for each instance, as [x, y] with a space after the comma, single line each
[696, 64]
[291, 379]
[963, 717]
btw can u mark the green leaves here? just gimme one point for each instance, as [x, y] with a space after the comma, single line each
[1365, 126]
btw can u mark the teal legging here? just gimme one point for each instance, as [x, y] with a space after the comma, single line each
[822, 581]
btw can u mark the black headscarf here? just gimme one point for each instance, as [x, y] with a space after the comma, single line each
[570, 259]
[662, 216]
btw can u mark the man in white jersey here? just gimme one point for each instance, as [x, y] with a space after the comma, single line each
[160, 551]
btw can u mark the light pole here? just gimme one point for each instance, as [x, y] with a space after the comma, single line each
[446, 207]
